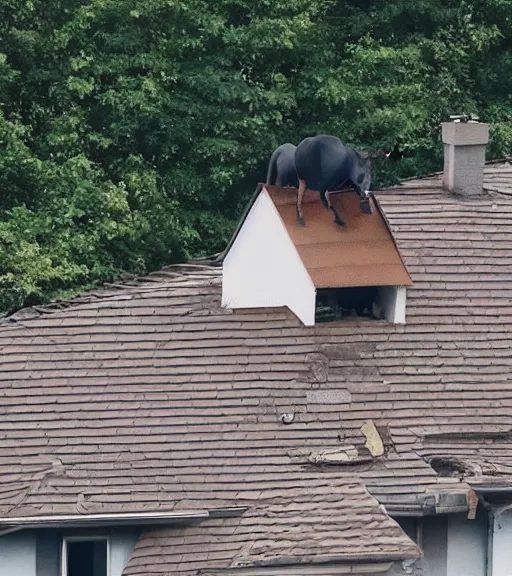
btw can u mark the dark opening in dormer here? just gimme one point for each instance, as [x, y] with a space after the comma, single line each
[369, 302]
[342, 303]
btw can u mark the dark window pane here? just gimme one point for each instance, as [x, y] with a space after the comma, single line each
[88, 558]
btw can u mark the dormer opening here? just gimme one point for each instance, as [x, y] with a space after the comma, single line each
[346, 303]
[366, 302]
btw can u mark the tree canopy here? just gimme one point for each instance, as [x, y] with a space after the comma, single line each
[132, 132]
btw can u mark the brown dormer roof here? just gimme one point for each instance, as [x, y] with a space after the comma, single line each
[360, 253]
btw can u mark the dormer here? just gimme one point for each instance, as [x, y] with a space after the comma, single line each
[272, 261]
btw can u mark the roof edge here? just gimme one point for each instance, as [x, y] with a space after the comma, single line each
[241, 222]
[108, 519]
[388, 226]
[440, 172]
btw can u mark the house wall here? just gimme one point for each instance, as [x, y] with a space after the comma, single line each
[435, 536]
[501, 544]
[452, 546]
[263, 269]
[18, 554]
[48, 553]
[38, 553]
[433, 563]
[467, 546]
[122, 543]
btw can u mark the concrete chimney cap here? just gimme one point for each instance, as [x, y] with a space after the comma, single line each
[465, 133]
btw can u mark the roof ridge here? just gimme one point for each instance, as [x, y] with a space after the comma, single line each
[440, 172]
[132, 284]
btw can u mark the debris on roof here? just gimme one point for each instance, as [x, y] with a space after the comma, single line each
[373, 439]
[347, 454]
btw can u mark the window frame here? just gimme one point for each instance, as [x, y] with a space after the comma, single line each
[64, 549]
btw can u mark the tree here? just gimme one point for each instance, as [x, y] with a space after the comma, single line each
[132, 132]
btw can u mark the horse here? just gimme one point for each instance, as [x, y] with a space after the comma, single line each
[323, 163]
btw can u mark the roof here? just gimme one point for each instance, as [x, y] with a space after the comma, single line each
[497, 178]
[361, 253]
[150, 396]
[137, 402]
[294, 525]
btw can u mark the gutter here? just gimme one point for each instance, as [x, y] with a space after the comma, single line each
[443, 502]
[367, 558]
[491, 490]
[14, 524]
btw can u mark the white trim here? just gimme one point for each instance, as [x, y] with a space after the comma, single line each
[64, 550]
[400, 305]
[498, 554]
[392, 301]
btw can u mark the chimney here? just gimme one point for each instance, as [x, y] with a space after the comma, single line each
[464, 156]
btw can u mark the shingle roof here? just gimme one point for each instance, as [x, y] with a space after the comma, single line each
[294, 524]
[150, 396]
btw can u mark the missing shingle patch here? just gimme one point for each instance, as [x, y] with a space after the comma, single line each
[330, 396]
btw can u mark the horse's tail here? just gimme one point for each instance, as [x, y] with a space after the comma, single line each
[272, 168]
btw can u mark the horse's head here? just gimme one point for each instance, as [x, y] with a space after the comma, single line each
[363, 176]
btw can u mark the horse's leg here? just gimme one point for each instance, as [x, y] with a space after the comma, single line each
[364, 201]
[300, 197]
[337, 218]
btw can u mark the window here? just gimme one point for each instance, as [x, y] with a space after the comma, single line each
[86, 556]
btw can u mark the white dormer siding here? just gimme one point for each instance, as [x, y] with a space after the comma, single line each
[263, 268]
[392, 301]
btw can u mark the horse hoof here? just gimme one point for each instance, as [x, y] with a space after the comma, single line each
[300, 221]
[338, 221]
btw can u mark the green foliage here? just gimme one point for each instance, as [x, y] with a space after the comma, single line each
[132, 132]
